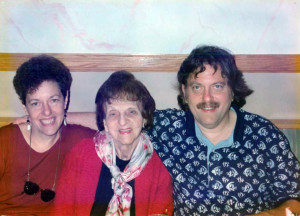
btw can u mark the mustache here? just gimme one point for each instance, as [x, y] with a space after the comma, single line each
[205, 105]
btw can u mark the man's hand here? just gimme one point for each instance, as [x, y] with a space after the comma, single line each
[20, 120]
[292, 206]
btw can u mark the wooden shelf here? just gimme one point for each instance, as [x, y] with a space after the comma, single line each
[78, 62]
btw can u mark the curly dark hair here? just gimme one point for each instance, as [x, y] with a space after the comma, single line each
[215, 57]
[38, 69]
[123, 85]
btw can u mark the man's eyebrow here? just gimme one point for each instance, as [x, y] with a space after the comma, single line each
[220, 82]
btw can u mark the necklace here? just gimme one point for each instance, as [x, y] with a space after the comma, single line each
[31, 188]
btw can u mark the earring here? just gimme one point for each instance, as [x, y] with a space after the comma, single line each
[65, 119]
[28, 124]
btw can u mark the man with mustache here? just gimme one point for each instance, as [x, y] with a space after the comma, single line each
[223, 160]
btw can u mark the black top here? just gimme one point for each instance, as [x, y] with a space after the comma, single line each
[104, 191]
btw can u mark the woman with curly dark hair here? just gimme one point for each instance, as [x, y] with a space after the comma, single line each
[31, 153]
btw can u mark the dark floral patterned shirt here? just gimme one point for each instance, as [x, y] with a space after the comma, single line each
[257, 172]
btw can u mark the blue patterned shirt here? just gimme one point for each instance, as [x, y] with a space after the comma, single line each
[257, 172]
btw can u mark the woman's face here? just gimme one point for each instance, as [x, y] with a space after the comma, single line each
[45, 108]
[124, 121]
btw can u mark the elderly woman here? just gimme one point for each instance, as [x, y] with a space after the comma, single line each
[116, 172]
[31, 154]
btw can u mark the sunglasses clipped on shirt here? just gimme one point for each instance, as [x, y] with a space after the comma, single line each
[31, 188]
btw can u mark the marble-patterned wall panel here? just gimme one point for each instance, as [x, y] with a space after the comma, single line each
[149, 26]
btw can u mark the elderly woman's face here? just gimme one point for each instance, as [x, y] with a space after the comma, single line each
[45, 108]
[124, 121]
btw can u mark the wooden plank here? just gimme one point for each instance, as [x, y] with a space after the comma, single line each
[280, 123]
[153, 63]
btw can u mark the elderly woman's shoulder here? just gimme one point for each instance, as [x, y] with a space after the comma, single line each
[85, 146]
[80, 130]
[155, 167]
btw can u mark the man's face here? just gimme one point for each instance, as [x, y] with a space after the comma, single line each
[209, 98]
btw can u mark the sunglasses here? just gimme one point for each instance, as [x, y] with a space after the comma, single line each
[31, 188]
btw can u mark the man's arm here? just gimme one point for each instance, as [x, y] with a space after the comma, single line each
[293, 205]
[288, 166]
[87, 119]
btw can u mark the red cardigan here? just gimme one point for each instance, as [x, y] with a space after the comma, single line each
[77, 185]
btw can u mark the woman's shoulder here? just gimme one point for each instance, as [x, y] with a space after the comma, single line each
[8, 127]
[9, 130]
[10, 137]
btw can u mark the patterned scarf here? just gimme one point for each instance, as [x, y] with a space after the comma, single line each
[119, 204]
